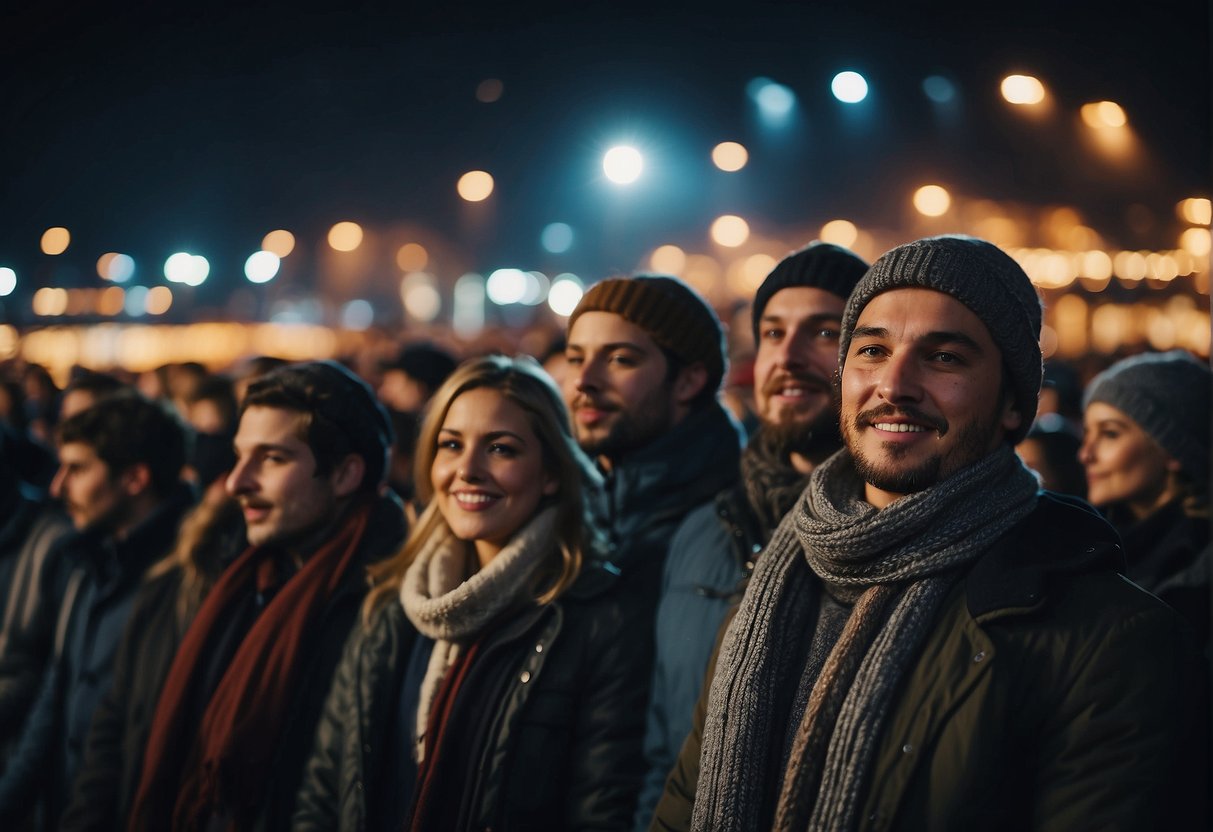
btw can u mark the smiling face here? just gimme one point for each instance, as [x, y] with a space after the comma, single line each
[285, 503]
[1124, 465]
[922, 392]
[796, 359]
[617, 388]
[488, 472]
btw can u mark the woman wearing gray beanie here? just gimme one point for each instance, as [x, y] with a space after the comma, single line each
[1146, 453]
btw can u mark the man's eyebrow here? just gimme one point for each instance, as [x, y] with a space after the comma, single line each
[952, 337]
[262, 447]
[869, 332]
[614, 345]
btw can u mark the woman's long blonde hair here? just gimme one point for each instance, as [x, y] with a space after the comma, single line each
[521, 381]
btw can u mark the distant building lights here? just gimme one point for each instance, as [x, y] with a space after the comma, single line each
[849, 87]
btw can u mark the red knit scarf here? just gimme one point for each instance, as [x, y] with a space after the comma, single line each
[190, 771]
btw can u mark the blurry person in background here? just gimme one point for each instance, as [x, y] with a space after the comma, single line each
[119, 480]
[84, 390]
[1146, 451]
[553, 360]
[237, 708]
[211, 410]
[1061, 393]
[400, 478]
[154, 384]
[1051, 450]
[413, 375]
[41, 402]
[32, 460]
[490, 686]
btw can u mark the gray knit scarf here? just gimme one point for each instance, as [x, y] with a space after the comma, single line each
[772, 485]
[898, 563]
[453, 609]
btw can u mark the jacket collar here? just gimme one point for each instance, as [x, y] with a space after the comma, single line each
[1062, 536]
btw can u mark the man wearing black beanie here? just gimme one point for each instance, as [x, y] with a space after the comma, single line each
[795, 316]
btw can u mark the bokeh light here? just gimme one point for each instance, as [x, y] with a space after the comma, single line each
[537, 285]
[1102, 115]
[1196, 210]
[489, 90]
[668, 259]
[190, 269]
[730, 156]
[506, 286]
[115, 267]
[280, 242]
[1022, 89]
[932, 200]
[939, 89]
[1197, 241]
[730, 231]
[475, 186]
[345, 236]
[622, 164]
[420, 297]
[261, 266]
[412, 257]
[357, 315]
[849, 87]
[159, 300]
[840, 233]
[775, 101]
[8, 281]
[565, 294]
[557, 237]
[111, 301]
[55, 240]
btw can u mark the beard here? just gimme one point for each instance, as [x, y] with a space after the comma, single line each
[630, 429]
[973, 441]
[814, 440]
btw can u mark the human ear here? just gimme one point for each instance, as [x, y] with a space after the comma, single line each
[136, 479]
[690, 382]
[347, 475]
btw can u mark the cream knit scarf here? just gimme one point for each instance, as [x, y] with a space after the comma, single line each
[452, 609]
[898, 563]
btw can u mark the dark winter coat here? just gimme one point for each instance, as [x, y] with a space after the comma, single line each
[552, 720]
[106, 787]
[1052, 694]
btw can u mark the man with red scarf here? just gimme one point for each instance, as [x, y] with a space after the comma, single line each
[238, 708]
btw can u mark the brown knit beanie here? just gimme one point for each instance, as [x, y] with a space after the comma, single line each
[986, 280]
[674, 315]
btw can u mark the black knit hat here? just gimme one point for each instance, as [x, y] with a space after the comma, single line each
[674, 315]
[818, 265]
[986, 280]
[1168, 395]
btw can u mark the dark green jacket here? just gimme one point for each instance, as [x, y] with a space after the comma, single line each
[1052, 694]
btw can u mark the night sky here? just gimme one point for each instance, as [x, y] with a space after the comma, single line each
[146, 129]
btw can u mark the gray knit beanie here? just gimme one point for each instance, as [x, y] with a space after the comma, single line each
[986, 280]
[819, 266]
[1168, 395]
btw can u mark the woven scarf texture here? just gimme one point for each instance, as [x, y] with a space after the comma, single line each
[772, 485]
[453, 609]
[897, 564]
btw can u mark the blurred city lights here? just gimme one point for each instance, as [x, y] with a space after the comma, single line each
[412, 257]
[1195, 210]
[730, 231]
[849, 87]
[840, 233]
[775, 101]
[261, 266]
[345, 236]
[506, 286]
[55, 240]
[1102, 115]
[489, 90]
[939, 89]
[467, 318]
[730, 156]
[190, 269]
[111, 301]
[8, 281]
[932, 200]
[475, 186]
[49, 302]
[557, 237]
[280, 242]
[136, 301]
[1022, 89]
[419, 294]
[357, 315]
[115, 267]
[159, 299]
[537, 286]
[756, 269]
[1197, 241]
[565, 294]
[622, 164]
[668, 259]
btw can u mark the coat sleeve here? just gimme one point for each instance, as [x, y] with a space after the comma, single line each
[606, 752]
[1127, 746]
[29, 765]
[318, 803]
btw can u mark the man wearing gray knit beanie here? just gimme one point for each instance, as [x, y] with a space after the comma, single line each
[928, 640]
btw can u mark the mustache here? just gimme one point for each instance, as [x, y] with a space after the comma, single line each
[868, 417]
[776, 383]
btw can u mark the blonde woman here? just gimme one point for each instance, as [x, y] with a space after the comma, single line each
[498, 680]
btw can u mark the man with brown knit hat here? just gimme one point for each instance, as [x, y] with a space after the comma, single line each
[796, 315]
[929, 641]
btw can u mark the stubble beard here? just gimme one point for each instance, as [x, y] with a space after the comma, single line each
[630, 430]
